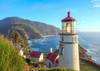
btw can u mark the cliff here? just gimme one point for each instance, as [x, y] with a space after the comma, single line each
[27, 29]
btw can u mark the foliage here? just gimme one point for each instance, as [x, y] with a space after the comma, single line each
[9, 57]
[16, 38]
[25, 45]
[34, 64]
[55, 69]
[19, 41]
[45, 55]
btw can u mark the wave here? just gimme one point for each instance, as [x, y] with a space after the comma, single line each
[48, 36]
[91, 44]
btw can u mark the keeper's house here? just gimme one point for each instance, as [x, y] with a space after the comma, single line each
[52, 59]
[37, 56]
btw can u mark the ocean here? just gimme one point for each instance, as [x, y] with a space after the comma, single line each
[88, 40]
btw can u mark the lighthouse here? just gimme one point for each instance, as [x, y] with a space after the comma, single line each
[68, 47]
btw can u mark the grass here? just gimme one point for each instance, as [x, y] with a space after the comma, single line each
[54, 69]
[85, 66]
[10, 60]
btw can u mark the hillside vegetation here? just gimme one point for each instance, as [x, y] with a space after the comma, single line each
[28, 29]
[11, 61]
[86, 65]
[9, 57]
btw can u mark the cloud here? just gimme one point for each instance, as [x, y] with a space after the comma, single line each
[95, 0]
[96, 5]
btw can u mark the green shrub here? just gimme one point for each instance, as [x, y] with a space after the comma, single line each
[31, 62]
[9, 57]
[34, 64]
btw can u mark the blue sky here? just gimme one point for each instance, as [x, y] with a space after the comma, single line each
[87, 12]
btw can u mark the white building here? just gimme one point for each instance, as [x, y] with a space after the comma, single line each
[52, 59]
[37, 56]
[21, 53]
[68, 50]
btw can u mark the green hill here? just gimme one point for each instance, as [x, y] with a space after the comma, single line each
[28, 29]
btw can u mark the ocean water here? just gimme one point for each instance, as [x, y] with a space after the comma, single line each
[88, 40]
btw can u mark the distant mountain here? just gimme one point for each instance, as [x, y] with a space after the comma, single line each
[28, 29]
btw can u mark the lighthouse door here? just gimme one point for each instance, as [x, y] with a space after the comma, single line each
[49, 65]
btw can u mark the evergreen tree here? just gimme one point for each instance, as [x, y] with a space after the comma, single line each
[19, 41]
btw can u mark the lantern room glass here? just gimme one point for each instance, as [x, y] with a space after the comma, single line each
[66, 28]
[69, 27]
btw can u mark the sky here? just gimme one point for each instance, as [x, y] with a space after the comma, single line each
[87, 12]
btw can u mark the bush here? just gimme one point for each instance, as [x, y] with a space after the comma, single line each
[34, 64]
[9, 57]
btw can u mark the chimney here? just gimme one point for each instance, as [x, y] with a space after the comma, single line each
[50, 50]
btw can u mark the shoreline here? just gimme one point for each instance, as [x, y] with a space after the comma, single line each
[84, 50]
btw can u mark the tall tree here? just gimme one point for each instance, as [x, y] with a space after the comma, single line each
[19, 41]
[16, 38]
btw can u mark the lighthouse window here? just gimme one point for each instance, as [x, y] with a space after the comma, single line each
[62, 39]
[68, 28]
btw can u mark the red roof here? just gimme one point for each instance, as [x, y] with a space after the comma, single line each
[57, 60]
[35, 54]
[68, 18]
[51, 57]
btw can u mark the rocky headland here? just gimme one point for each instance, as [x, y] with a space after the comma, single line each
[26, 28]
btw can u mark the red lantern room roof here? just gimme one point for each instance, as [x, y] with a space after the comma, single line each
[68, 18]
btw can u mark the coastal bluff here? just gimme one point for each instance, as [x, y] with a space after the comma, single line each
[26, 28]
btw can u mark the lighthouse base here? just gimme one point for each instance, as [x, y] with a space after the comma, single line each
[70, 58]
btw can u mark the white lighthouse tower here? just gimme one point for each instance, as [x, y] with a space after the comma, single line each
[68, 50]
